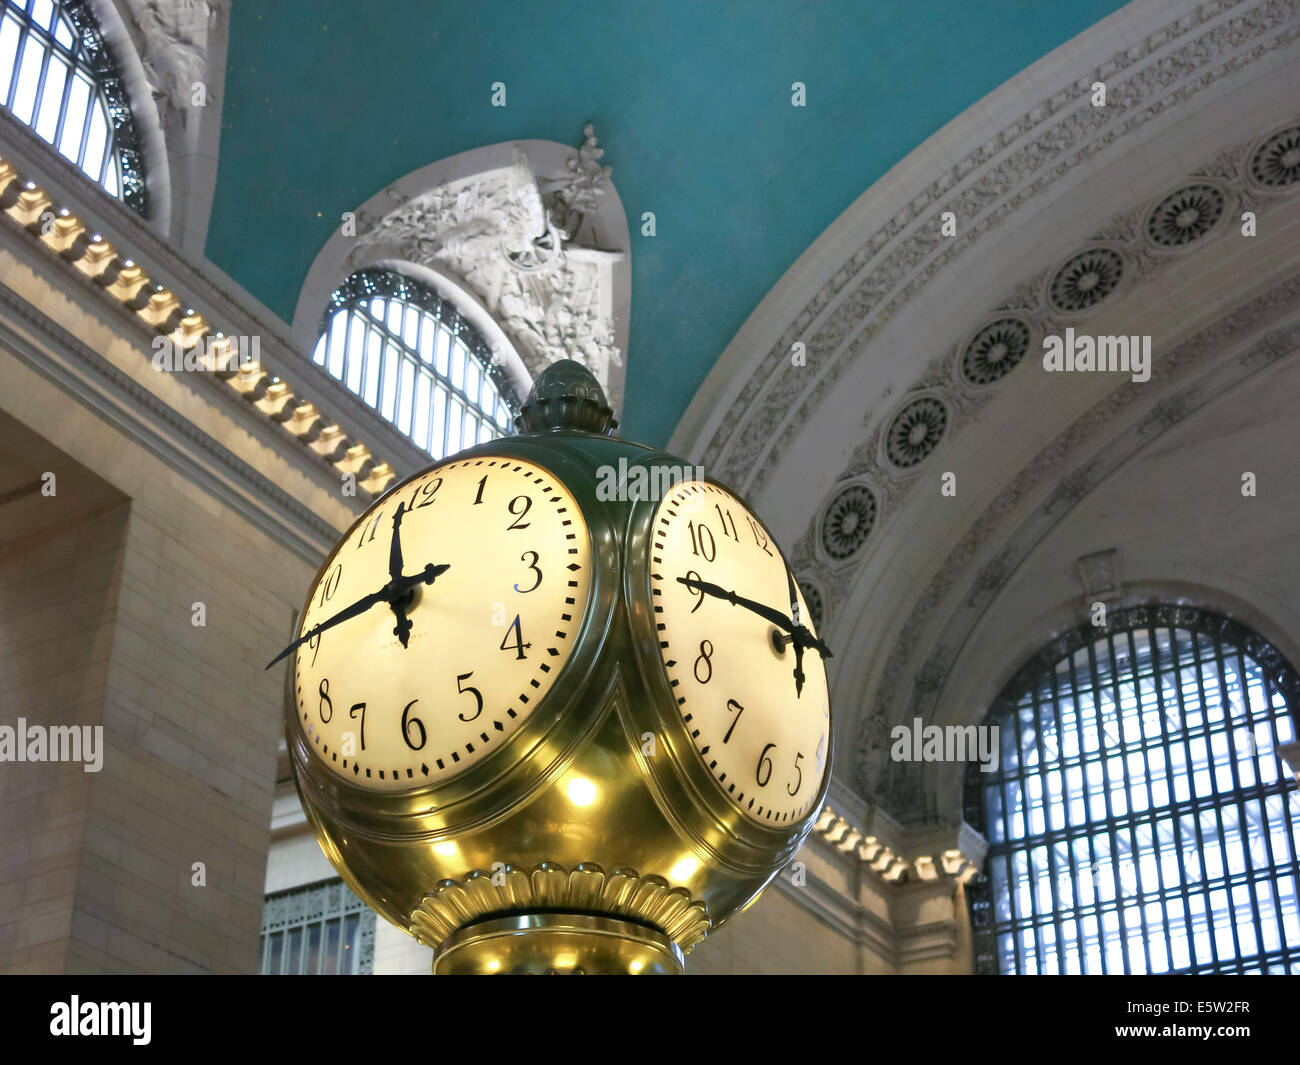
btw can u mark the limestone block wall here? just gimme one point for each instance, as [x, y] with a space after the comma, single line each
[98, 870]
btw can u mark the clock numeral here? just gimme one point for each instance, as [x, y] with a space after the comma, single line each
[407, 722]
[760, 538]
[527, 501]
[724, 518]
[706, 650]
[352, 713]
[760, 777]
[471, 690]
[325, 701]
[330, 584]
[519, 645]
[478, 496]
[314, 644]
[737, 709]
[428, 490]
[374, 527]
[799, 782]
[532, 566]
[691, 575]
[702, 542]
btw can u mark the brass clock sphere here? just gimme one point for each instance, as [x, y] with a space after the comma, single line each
[555, 704]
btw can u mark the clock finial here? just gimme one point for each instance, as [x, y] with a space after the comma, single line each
[566, 395]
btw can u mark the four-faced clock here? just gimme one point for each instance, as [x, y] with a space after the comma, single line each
[440, 622]
[743, 662]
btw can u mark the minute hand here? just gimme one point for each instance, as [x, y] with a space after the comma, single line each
[386, 594]
[799, 632]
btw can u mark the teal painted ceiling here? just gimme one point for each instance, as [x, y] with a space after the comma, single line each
[327, 102]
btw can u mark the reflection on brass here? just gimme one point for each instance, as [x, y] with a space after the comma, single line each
[556, 944]
[648, 900]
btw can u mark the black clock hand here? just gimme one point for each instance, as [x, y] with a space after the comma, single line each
[768, 613]
[799, 677]
[402, 630]
[395, 548]
[797, 633]
[389, 592]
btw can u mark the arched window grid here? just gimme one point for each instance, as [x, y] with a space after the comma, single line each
[1171, 849]
[60, 79]
[410, 355]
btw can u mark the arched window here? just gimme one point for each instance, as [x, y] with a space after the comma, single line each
[60, 80]
[409, 354]
[1141, 819]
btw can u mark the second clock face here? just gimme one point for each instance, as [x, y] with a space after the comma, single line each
[488, 637]
[764, 742]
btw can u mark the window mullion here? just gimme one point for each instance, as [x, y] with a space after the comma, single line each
[1217, 804]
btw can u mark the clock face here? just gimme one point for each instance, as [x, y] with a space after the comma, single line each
[488, 636]
[764, 744]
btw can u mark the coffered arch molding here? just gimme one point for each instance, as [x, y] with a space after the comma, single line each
[924, 660]
[1029, 172]
[882, 301]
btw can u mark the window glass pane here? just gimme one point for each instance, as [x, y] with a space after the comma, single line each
[428, 334]
[374, 362]
[63, 33]
[9, 37]
[42, 13]
[443, 362]
[47, 116]
[96, 142]
[405, 396]
[74, 121]
[411, 329]
[388, 384]
[437, 447]
[320, 929]
[420, 427]
[29, 79]
[1134, 810]
[458, 357]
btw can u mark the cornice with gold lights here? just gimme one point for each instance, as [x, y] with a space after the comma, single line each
[129, 284]
[946, 852]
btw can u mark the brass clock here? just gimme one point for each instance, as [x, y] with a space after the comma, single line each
[545, 730]
[419, 689]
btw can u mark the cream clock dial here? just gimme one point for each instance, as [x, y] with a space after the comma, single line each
[510, 560]
[760, 731]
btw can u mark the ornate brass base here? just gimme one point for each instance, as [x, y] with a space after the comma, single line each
[561, 943]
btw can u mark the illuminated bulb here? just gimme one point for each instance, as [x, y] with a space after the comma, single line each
[96, 238]
[566, 961]
[493, 965]
[683, 870]
[31, 185]
[635, 967]
[445, 850]
[63, 212]
[582, 792]
[129, 263]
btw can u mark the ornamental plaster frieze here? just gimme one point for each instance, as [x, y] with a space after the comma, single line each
[1028, 157]
[967, 587]
[897, 855]
[884, 468]
[127, 283]
[522, 243]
